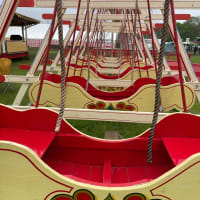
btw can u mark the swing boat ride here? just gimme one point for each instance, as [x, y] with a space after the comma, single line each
[44, 158]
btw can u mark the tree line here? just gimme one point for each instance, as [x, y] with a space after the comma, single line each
[188, 29]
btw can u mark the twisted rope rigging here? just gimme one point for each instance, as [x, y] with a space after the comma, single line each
[158, 80]
[63, 70]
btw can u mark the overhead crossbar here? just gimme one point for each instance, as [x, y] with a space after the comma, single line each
[113, 4]
[49, 16]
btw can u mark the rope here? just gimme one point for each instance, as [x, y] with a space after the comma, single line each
[63, 70]
[158, 79]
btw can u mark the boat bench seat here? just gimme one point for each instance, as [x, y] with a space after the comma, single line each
[181, 148]
[38, 141]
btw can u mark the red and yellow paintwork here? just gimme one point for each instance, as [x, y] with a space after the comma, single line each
[35, 162]
[141, 99]
[75, 70]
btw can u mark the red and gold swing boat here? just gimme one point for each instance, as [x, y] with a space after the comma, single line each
[37, 163]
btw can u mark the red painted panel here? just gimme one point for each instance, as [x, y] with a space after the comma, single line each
[49, 62]
[47, 16]
[182, 16]
[96, 174]
[181, 148]
[81, 171]
[145, 32]
[179, 125]
[35, 119]
[120, 175]
[38, 141]
[15, 55]
[137, 174]
[66, 22]
[168, 80]
[155, 29]
[158, 25]
[50, 16]
[154, 171]
[78, 28]
[26, 3]
[83, 195]
[2, 78]
[81, 141]
[24, 67]
[63, 167]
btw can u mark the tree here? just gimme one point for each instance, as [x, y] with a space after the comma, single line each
[188, 29]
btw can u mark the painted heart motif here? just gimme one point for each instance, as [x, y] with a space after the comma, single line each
[78, 195]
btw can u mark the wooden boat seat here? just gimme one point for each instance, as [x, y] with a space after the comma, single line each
[101, 94]
[113, 159]
[107, 95]
[128, 69]
[38, 141]
[122, 63]
[100, 66]
[181, 148]
[115, 95]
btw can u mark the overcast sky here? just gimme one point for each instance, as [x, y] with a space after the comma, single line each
[39, 31]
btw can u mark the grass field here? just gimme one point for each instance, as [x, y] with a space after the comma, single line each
[93, 128]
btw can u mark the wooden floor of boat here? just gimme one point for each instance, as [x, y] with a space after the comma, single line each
[107, 174]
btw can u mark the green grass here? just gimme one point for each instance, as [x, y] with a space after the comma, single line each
[98, 128]
[195, 59]
[196, 108]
